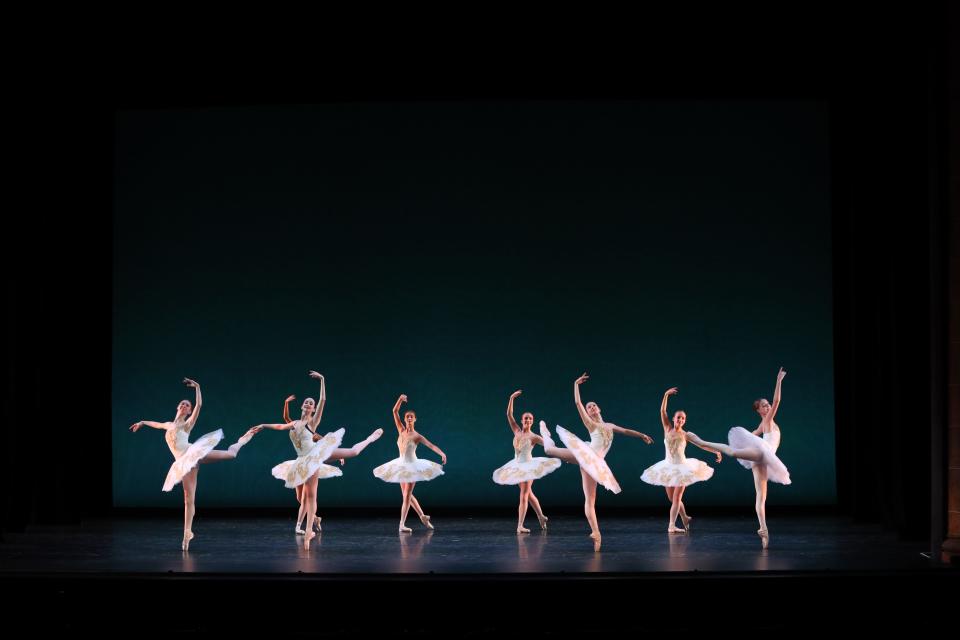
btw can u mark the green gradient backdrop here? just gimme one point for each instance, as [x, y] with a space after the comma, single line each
[456, 252]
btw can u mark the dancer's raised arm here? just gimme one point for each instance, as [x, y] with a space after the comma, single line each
[315, 420]
[765, 420]
[192, 420]
[776, 394]
[663, 407]
[510, 419]
[588, 422]
[396, 411]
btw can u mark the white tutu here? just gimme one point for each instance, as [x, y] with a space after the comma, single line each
[191, 457]
[589, 460]
[676, 469]
[416, 470]
[517, 471]
[740, 438]
[670, 474]
[296, 472]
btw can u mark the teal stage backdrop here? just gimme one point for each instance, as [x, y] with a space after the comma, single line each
[455, 252]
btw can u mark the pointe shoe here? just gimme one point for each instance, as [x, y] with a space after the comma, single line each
[316, 522]
[307, 537]
[522, 530]
[675, 530]
[187, 537]
[596, 541]
[686, 522]
[764, 537]
[426, 521]
[298, 530]
[543, 522]
[404, 529]
[545, 432]
[373, 437]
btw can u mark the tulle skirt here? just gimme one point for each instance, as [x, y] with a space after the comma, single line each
[191, 458]
[740, 438]
[515, 471]
[296, 472]
[589, 460]
[416, 470]
[671, 474]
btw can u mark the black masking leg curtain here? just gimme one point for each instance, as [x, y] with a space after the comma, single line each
[882, 166]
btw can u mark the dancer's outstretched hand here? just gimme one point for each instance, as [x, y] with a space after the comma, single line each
[515, 394]
[719, 457]
[781, 374]
[582, 378]
[290, 398]
[646, 438]
[135, 426]
[672, 391]
[316, 376]
[190, 383]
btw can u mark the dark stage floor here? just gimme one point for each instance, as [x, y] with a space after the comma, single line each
[471, 576]
[460, 545]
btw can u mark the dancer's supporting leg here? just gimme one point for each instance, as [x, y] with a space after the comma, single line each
[522, 509]
[407, 489]
[189, 492]
[760, 484]
[302, 513]
[676, 496]
[589, 505]
[683, 511]
[310, 500]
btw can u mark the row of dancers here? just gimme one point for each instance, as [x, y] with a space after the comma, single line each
[754, 450]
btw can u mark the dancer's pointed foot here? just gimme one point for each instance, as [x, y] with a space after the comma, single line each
[595, 536]
[522, 529]
[543, 522]
[764, 537]
[316, 522]
[545, 434]
[187, 537]
[673, 529]
[299, 530]
[307, 537]
[373, 437]
[686, 521]
[426, 521]
[404, 529]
